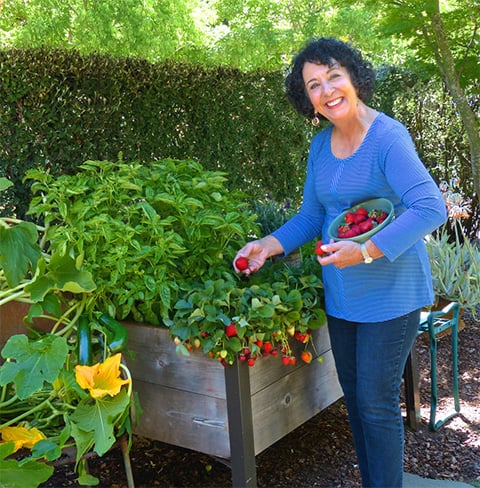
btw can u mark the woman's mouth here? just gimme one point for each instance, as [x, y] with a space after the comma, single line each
[334, 103]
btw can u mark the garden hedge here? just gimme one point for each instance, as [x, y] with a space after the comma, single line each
[59, 109]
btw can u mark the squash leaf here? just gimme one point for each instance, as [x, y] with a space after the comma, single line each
[19, 251]
[32, 362]
[21, 474]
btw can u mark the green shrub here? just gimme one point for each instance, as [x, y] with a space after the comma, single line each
[145, 231]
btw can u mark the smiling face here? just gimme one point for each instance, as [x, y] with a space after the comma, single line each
[330, 90]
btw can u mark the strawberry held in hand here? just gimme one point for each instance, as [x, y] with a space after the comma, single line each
[318, 249]
[241, 263]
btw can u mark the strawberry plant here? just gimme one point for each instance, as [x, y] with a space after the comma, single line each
[251, 318]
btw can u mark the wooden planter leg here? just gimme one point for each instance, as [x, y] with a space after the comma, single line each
[240, 425]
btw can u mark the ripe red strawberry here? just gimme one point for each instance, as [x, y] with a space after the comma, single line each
[267, 346]
[231, 330]
[342, 230]
[360, 218]
[366, 225]
[292, 360]
[307, 356]
[349, 217]
[318, 249]
[259, 343]
[251, 361]
[285, 360]
[381, 217]
[361, 211]
[356, 230]
[241, 263]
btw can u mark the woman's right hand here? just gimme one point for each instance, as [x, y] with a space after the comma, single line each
[257, 252]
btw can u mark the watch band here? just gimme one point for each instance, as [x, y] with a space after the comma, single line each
[367, 259]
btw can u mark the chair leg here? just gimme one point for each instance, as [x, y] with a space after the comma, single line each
[432, 425]
[456, 395]
[433, 380]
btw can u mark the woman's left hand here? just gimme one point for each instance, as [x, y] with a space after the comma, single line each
[346, 253]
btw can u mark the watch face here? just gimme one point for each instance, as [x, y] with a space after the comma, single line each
[367, 259]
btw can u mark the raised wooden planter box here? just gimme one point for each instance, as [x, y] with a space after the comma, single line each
[234, 412]
[194, 402]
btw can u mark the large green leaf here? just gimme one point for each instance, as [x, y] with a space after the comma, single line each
[19, 251]
[33, 362]
[97, 419]
[15, 474]
[62, 274]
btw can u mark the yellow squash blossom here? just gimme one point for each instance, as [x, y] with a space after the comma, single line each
[21, 436]
[101, 379]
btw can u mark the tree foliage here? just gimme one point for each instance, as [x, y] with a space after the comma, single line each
[152, 29]
[442, 36]
[428, 39]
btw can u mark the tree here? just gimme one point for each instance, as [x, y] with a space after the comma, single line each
[442, 35]
[151, 29]
[266, 33]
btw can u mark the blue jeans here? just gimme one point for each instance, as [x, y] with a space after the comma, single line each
[370, 359]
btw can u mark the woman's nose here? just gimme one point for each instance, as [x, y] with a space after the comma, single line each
[327, 88]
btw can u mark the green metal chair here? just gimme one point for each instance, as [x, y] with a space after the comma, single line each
[433, 323]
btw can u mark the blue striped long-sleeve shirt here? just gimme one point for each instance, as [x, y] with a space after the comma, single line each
[385, 165]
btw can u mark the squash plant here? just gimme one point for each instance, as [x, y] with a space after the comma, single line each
[55, 391]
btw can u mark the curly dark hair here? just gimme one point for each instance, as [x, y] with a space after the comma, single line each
[326, 50]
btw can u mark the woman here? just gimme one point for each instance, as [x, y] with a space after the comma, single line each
[373, 292]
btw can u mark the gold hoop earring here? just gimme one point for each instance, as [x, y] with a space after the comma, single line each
[316, 121]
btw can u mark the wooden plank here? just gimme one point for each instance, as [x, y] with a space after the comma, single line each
[294, 399]
[200, 422]
[270, 369]
[11, 321]
[156, 361]
[183, 418]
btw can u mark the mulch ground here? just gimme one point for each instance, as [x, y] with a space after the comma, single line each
[320, 453]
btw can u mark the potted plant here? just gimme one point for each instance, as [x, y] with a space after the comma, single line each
[57, 391]
[454, 257]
